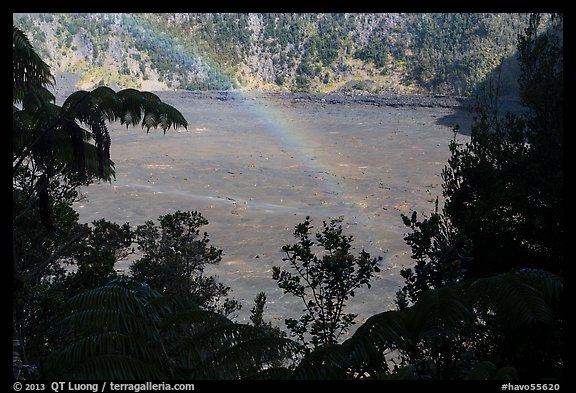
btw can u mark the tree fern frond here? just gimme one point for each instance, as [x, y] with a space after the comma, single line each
[514, 300]
[38, 112]
[388, 328]
[106, 102]
[150, 120]
[326, 362]
[110, 367]
[73, 103]
[132, 106]
[195, 320]
[171, 117]
[244, 358]
[103, 343]
[95, 320]
[126, 324]
[101, 103]
[37, 98]
[548, 284]
[518, 297]
[388, 331]
[29, 71]
[92, 163]
[117, 322]
[77, 144]
[441, 311]
[147, 108]
[119, 294]
[203, 344]
[21, 131]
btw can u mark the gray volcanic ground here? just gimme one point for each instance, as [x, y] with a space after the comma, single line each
[257, 165]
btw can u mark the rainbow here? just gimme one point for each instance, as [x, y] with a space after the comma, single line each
[299, 142]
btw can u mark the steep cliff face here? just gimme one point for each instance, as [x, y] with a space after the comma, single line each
[422, 53]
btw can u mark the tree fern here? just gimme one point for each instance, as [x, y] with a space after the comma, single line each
[56, 149]
[117, 319]
[326, 362]
[40, 127]
[244, 358]
[444, 333]
[125, 330]
[441, 311]
[30, 72]
[517, 298]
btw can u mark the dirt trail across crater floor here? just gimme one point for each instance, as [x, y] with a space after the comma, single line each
[255, 165]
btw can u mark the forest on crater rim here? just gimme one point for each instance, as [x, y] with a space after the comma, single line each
[399, 53]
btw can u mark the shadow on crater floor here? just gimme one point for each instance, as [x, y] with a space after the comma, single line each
[461, 118]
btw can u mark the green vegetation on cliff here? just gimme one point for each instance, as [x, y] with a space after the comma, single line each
[403, 53]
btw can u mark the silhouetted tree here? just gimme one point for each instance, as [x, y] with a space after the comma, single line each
[504, 188]
[174, 257]
[324, 280]
[503, 214]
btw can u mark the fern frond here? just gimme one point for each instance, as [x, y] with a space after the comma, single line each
[387, 329]
[518, 297]
[106, 103]
[147, 108]
[244, 358]
[202, 345]
[112, 367]
[327, 362]
[512, 300]
[194, 320]
[96, 320]
[29, 71]
[103, 343]
[38, 98]
[441, 312]
[549, 285]
[121, 294]
[125, 324]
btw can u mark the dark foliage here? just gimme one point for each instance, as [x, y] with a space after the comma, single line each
[504, 188]
[504, 327]
[53, 155]
[125, 330]
[174, 256]
[324, 280]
